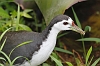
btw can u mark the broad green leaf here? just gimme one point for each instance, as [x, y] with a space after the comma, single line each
[24, 27]
[69, 64]
[90, 39]
[62, 50]
[3, 13]
[95, 63]
[88, 55]
[52, 8]
[56, 61]
[25, 13]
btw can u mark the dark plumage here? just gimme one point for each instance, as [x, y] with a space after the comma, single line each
[17, 37]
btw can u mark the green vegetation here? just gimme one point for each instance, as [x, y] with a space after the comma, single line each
[12, 18]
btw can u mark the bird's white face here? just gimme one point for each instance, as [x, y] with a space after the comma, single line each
[68, 25]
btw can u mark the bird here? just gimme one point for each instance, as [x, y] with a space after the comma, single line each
[43, 43]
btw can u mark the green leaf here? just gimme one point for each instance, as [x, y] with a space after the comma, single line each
[6, 57]
[88, 55]
[69, 64]
[76, 18]
[27, 10]
[3, 13]
[45, 64]
[62, 34]
[18, 17]
[4, 33]
[25, 14]
[55, 55]
[94, 64]
[1, 58]
[18, 58]
[62, 50]
[77, 61]
[1, 47]
[90, 39]
[90, 61]
[52, 8]
[1, 64]
[24, 27]
[87, 28]
[56, 61]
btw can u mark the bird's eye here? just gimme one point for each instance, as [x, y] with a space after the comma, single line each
[65, 23]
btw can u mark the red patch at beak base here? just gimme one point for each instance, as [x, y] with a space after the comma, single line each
[73, 24]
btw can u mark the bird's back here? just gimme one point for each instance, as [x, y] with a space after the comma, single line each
[18, 37]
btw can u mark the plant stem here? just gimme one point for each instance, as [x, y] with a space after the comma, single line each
[18, 18]
[84, 48]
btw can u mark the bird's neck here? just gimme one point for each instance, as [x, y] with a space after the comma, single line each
[50, 32]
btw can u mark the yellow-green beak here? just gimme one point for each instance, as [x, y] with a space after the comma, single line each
[77, 29]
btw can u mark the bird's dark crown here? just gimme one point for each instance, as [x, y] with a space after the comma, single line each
[54, 21]
[58, 19]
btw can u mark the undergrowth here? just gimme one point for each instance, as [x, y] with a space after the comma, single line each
[15, 22]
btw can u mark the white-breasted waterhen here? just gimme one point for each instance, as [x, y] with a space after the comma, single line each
[42, 45]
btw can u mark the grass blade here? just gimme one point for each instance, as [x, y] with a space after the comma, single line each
[88, 55]
[1, 58]
[19, 46]
[1, 64]
[90, 61]
[62, 50]
[79, 25]
[56, 61]
[62, 35]
[18, 17]
[3, 44]
[76, 18]
[69, 64]
[18, 58]
[4, 33]
[97, 40]
[94, 64]
[6, 57]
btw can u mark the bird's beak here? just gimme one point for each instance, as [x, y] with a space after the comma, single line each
[77, 29]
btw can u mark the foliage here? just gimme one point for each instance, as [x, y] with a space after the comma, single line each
[14, 17]
[52, 8]
[97, 40]
[86, 56]
[8, 61]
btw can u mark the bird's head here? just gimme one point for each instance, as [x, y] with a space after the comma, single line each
[64, 22]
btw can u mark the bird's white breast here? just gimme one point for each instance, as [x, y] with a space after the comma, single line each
[45, 50]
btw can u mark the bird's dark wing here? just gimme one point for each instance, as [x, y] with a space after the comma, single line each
[16, 38]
